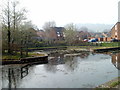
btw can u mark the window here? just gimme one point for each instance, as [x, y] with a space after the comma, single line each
[115, 27]
[116, 33]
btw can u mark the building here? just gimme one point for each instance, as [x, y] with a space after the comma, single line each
[115, 31]
[83, 35]
[100, 39]
[56, 33]
[41, 34]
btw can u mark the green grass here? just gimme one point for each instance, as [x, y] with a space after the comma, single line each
[101, 89]
[105, 44]
[62, 47]
[109, 85]
[17, 55]
[11, 57]
[47, 47]
[111, 44]
[115, 83]
[35, 54]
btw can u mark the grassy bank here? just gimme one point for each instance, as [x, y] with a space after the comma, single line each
[17, 56]
[111, 44]
[92, 44]
[111, 84]
[114, 84]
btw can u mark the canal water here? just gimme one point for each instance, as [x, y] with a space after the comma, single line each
[83, 70]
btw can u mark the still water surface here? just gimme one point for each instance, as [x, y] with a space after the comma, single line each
[86, 70]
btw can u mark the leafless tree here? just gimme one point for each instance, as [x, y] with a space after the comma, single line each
[70, 33]
[13, 22]
[6, 21]
[49, 24]
[47, 27]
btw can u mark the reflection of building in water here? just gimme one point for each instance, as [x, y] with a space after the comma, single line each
[116, 60]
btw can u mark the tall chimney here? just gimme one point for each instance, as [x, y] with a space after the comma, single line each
[119, 11]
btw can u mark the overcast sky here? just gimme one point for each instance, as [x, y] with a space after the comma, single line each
[71, 11]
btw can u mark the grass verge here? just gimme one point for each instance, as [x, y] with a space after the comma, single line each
[17, 56]
[115, 83]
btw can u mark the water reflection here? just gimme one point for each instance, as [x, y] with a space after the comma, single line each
[56, 59]
[70, 61]
[70, 69]
[116, 60]
[13, 75]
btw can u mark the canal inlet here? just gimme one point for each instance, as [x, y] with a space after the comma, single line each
[86, 70]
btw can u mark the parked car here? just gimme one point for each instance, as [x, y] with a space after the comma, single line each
[92, 40]
[96, 39]
[114, 40]
[85, 40]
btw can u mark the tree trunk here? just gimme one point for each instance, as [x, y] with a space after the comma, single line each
[21, 51]
[9, 50]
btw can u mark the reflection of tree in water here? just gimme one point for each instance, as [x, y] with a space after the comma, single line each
[52, 64]
[58, 59]
[84, 55]
[116, 60]
[51, 68]
[0, 77]
[11, 76]
[71, 63]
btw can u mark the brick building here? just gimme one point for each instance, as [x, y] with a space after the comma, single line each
[41, 34]
[100, 39]
[107, 39]
[115, 31]
[59, 32]
[55, 33]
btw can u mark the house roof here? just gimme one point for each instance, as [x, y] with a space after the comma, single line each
[58, 29]
[115, 24]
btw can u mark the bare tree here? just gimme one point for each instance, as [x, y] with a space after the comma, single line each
[70, 33]
[0, 41]
[12, 21]
[18, 16]
[6, 23]
[84, 33]
[47, 27]
[28, 33]
[49, 24]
